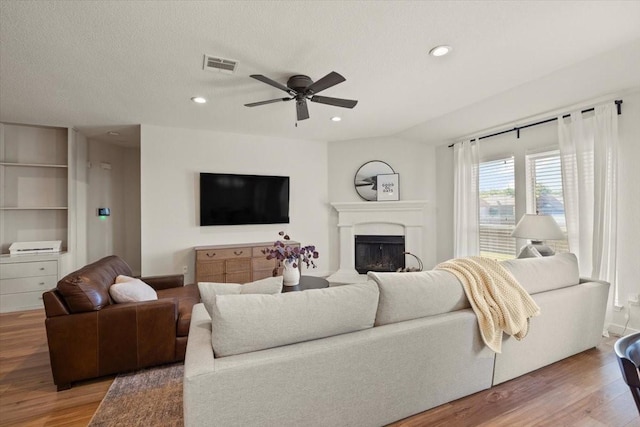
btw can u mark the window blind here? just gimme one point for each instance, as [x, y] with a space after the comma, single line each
[497, 208]
[544, 191]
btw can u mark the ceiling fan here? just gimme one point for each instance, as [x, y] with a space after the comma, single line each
[301, 88]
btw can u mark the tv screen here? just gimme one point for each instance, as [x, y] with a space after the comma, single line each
[227, 199]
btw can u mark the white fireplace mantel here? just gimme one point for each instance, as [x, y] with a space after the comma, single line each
[375, 218]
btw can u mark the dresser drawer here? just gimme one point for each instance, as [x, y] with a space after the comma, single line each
[257, 251]
[242, 277]
[262, 274]
[28, 269]
[212, 254]
[263, 264]
[26, 284]
[237, 265]
[21, 301]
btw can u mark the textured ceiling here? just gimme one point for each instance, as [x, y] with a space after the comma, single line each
[109, 64]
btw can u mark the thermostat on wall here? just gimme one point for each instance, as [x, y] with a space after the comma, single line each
[104, 211]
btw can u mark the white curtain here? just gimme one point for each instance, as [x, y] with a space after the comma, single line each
[588, 152]
[465, 205]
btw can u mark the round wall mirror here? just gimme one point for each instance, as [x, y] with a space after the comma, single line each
[366, 178]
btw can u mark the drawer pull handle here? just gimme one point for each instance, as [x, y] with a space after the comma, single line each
[211, 255]
[41, 283]
[238, 253]
[41, 268]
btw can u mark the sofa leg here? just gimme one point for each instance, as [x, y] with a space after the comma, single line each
[62, 387]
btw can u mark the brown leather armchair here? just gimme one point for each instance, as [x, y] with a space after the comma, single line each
[90, 335]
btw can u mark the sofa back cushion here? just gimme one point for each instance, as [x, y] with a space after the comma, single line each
[545, 273]
[252, 322]
[209, 290]
[87, 289]
[406, 296]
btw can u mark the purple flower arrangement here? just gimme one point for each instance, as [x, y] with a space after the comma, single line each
[294, 254]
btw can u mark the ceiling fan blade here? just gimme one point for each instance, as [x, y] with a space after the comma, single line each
[273, 83]
[338, 102]
[326, 82]
[301, 109]
[271, 101]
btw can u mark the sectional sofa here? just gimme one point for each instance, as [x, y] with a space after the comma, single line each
[372, 353]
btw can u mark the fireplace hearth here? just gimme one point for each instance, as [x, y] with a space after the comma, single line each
[379, 253]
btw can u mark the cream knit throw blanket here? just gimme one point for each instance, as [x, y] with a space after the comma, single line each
[500, 303]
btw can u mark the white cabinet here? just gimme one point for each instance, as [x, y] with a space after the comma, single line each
[34, 184]
[24, 278]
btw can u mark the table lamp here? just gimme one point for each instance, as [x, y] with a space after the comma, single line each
[537, 228]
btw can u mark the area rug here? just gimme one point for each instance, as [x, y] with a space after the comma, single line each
[149, 397]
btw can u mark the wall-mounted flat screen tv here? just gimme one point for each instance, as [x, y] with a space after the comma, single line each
[228, 199]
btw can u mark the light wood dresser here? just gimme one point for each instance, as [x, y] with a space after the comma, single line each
[24, 278]
[239, 263]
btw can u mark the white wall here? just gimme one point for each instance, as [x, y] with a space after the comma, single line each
[414, 161]
[171, 160]
[628, 194]
[113, 182]
[629, 210]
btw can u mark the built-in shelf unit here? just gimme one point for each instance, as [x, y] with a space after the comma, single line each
[34, 175]
[34, 205]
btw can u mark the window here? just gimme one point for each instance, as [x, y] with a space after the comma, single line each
[544, 191]
[497, 208]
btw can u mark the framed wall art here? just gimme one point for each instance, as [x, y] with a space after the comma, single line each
[388, 187]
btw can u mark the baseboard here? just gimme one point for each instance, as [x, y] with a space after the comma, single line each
[617, 330]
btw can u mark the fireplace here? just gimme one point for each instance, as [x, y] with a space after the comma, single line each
[379, 253]
[406, 218]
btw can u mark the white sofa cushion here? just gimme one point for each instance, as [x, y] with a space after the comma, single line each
[545, 273]
[406, 296]
[209, 290]
[130, 289]
[246, 323]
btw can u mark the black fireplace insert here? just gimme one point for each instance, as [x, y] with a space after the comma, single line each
[379, 253]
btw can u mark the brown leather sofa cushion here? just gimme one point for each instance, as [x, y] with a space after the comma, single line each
[87, 289]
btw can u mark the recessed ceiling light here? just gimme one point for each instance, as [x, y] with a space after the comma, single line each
[198, 100]
[336, 119]
[112, 133]
[440, 50]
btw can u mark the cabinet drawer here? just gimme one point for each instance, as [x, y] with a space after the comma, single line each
[211, 267]
[21, 301]
[212, 254]
[257, 251]
[242, 277]
[26, 284]
[216, 278]
[263, 264]
[237, 265]
[28, 269]
[262, 274]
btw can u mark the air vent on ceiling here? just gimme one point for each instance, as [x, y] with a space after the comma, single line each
[222, 65]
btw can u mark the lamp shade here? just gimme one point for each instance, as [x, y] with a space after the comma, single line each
[538, 227]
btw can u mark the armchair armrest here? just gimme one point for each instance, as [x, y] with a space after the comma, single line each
[137, 334]
[117, 338]
[164, 282]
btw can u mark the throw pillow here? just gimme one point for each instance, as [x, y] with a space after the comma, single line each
[209, 290]
[246, 323]
[129, 289]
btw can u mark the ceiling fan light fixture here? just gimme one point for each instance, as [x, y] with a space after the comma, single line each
[440, 50]
[199, 100]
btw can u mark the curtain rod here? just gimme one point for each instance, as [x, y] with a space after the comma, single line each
[618, 103]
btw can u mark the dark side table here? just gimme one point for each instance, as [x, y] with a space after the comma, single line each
[307, 282]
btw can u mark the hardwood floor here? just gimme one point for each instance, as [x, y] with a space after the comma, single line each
[583, 390]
